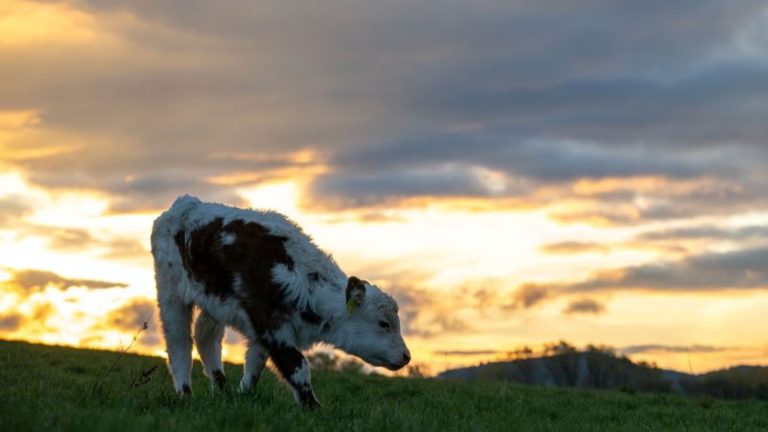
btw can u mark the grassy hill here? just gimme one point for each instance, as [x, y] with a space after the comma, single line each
[54, 388]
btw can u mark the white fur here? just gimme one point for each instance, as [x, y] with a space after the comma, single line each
[208, 336]
[255, 360]
[357, 333]
[302, 377]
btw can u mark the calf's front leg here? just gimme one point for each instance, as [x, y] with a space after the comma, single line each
[255, 359]
[295, 369]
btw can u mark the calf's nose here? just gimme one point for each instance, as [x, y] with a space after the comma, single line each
[406, 358]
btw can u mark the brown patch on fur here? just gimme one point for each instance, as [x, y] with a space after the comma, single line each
[252, 255]
[202, 257]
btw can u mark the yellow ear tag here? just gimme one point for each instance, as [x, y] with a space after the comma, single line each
[351, 305]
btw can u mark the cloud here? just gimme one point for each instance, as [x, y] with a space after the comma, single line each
[10, 322]
[528, 295]
[584, 306]
[133, 315]
[126, 249]
[738, 269]
[426, 313]
[722, 200]
[543, 160]
[138, 317]
[33, 280]
[342, 190]
[699, 182]
[13, 208]
[573, 248]
[707, 232]
[42, 311]
[606, 109]
[158, 99]
[621, 201]
[76, 239]
[651, 348]
[65, 239]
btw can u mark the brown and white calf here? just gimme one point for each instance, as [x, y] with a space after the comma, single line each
[259, 273]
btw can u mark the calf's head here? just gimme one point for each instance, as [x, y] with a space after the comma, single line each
[372, 327]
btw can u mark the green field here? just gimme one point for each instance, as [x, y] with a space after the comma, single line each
[52, 388]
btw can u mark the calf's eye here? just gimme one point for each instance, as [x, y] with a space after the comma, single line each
[384, 325]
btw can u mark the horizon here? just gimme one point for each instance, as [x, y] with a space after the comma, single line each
[513, 174]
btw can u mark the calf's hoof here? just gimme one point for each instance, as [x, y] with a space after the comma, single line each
[185, 391]
[310, 405]
[219, 379]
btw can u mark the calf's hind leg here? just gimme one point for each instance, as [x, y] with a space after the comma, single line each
[209, 333]
[177, 319]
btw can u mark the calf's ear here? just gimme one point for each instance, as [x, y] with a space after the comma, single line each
[355, 293]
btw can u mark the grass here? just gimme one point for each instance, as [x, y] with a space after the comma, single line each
[53, 388]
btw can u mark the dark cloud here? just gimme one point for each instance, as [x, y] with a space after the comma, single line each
[697, 349]
[132, 316]
[389, 93]
[10, 322]
[701, 181]
[32, 280]
[584, 306]
[374, 189]
[138, 317]
[707, 232]
[739, 269]
[668, 203]
[544, 160]
[644, 113]
[529, 295]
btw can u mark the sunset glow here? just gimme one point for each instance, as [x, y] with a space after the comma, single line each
[511, 199]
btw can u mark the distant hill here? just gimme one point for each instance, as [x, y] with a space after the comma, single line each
[601, 369]
[738, 382]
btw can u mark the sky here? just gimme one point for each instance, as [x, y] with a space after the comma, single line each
[513, 172]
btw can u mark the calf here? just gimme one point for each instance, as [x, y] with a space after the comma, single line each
[259, 273]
